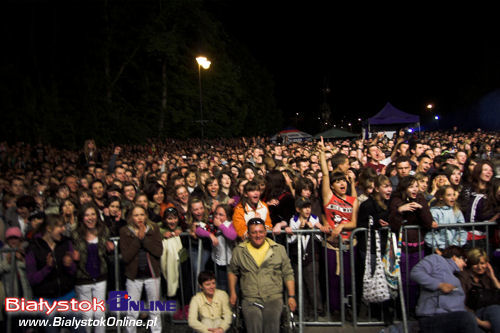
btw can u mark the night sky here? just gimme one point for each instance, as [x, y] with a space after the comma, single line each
[370, 56]
[365, 56]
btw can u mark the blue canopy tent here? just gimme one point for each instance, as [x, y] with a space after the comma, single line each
[389, 115]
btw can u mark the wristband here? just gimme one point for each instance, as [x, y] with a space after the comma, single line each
[291, 296]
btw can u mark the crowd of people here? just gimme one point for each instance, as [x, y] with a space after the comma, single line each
[61, 209]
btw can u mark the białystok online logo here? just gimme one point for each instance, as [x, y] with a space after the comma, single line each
[120, 301]
[117, 301]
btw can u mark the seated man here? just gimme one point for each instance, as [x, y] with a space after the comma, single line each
[209, 310]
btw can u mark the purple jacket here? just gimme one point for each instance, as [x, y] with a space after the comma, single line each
[429, 273]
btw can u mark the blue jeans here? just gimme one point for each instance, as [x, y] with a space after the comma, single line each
[492, 314]
[451, 322]
[193, 254]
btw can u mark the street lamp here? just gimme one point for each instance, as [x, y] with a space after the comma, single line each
[437, 119]
[429, 107]
[205, 63]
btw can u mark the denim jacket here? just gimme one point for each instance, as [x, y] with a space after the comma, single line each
[444, 237]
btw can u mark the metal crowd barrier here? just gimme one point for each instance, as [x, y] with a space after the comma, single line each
[406, 284]
[344, 300]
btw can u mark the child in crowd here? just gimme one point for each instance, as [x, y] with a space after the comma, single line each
[226, 235]
[304, 220]
[446, 211]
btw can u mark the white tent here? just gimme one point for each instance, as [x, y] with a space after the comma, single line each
[292, 135]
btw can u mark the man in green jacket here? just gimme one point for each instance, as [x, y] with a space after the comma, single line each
[262, 266]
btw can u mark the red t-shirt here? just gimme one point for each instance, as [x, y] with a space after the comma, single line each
[377, 167]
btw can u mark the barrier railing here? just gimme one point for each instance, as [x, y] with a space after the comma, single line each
[405, 266]
[346, 301]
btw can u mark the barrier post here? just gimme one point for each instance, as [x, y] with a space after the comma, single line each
[353, 281]
[13, 284]
[315, 300]
[116, 263]
[198, 262]
[193, 285]
[300, 283]
[327, 282]
[343, 299]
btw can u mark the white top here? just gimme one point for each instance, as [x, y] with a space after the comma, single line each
[295, 225]
[222, 253]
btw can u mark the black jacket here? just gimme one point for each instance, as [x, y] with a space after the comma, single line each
[371, 208]
[59, 281]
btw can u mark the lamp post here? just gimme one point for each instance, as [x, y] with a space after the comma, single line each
[205, 63]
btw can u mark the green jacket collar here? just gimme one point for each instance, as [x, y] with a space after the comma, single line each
[269, 240]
